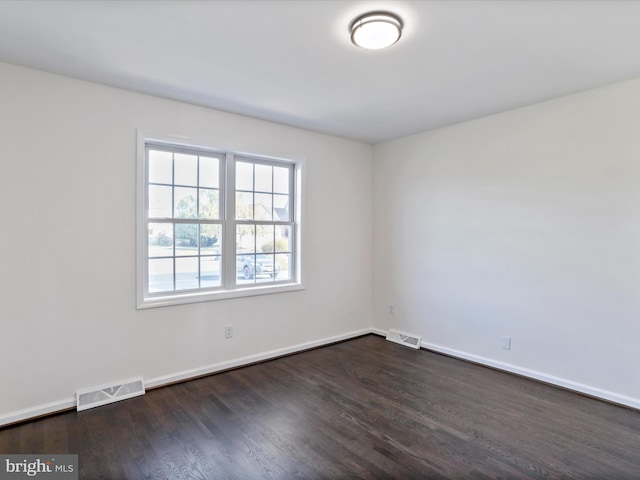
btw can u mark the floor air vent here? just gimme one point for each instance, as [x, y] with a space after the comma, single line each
[406, 339]
[96, 396]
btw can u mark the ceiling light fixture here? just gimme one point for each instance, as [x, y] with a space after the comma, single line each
[375, 30]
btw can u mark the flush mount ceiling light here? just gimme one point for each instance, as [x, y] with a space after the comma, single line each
[375, 30]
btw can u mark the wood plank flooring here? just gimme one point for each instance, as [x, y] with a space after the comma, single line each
[365, 408]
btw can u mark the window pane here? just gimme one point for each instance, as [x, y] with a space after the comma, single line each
[160, 240]
[244, 176]
[159, 201]
[209, 206]
[187, 273]
[161, 275]
[264, 178]
[283, 266]
[245, 269]
[283, 239]
[186, 239]
[209, 172]
[281, 180]
[255, 268]
[185, 202]
[210, 272]
[263, 206]
[281, 208]
[265, 268]
[210, 239]
[245, 238]
[244, 206]
[160, 167]
[264, 238]
[186, 169]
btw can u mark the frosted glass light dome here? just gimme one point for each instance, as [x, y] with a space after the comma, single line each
[376, 30]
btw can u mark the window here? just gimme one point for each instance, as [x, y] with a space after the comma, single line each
[214, 224]
[263, 223]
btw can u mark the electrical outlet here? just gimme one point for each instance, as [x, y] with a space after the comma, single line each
[506, 343]
[228, 331]
[391, 309]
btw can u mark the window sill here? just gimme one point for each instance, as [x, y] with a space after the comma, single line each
[198, 297]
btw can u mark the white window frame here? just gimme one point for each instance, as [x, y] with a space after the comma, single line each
[229, 287]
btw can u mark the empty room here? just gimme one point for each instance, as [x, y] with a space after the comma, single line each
[261, 239]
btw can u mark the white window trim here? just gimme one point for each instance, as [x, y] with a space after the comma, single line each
[239, 291]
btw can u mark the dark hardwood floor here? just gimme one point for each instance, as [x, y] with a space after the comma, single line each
[365, 408]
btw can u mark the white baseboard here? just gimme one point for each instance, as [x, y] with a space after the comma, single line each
[239, 362]
[533, 374]
[540, 376]
[48, 408]
[37, 411]
[65, 404]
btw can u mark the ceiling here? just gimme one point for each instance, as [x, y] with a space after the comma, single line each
[292, 61]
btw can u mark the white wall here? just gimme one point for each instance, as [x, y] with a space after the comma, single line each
[67, 291]
[525, 224]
